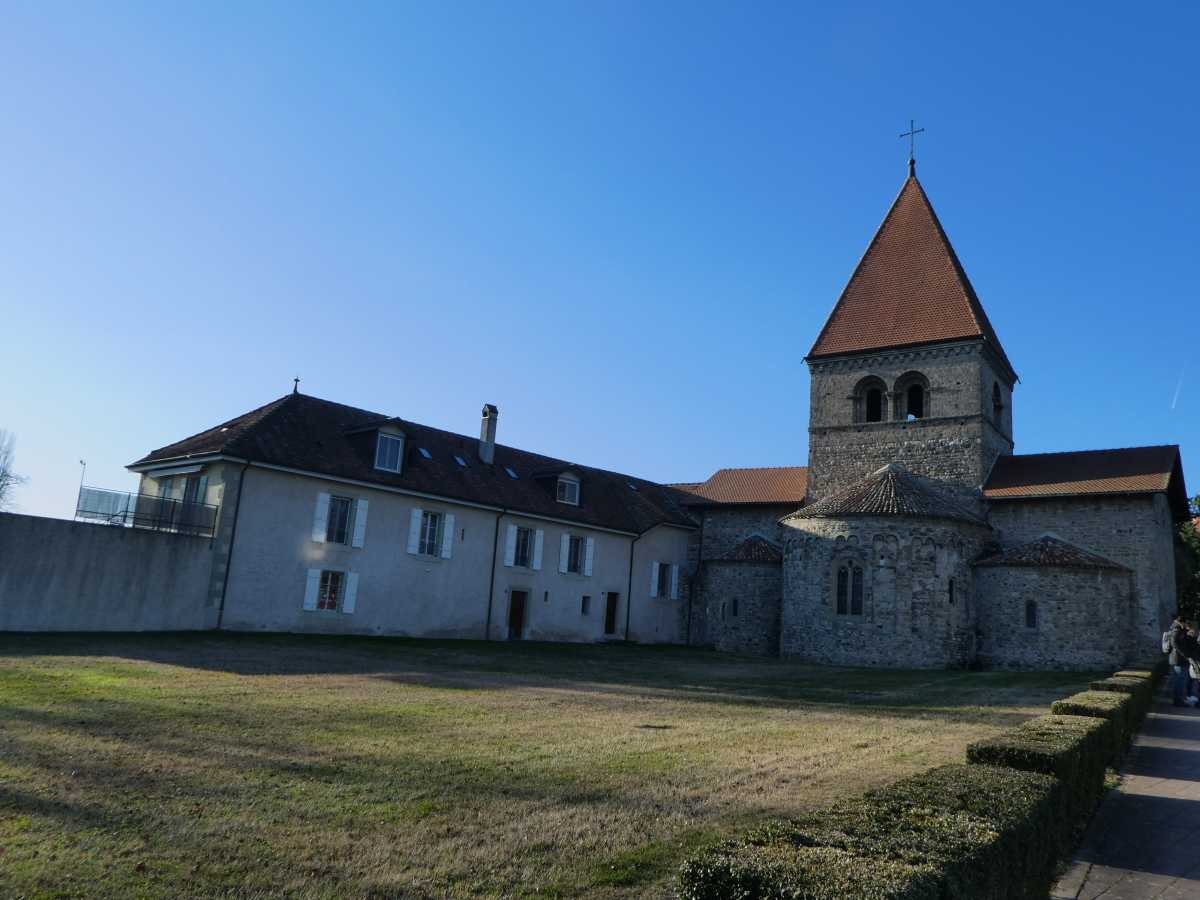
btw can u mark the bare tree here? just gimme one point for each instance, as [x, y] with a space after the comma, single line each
[9, 480]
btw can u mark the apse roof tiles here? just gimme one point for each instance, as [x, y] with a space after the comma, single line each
[1051, 551]
[890, 491]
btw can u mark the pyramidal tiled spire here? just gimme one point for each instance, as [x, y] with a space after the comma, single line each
[908, 289]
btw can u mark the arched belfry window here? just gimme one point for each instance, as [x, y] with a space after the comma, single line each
[874, 405]
[997, 402]
[1031, 614]
[912, 396]
[848, 600]
[870, 400]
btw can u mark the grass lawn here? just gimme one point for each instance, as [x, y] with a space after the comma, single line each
[262, 766]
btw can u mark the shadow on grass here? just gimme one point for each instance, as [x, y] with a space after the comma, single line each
[682, 673]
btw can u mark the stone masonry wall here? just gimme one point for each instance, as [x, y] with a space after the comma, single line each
[742, 601]
[910, 618]
[1083, 618]
[727, 526]
[957, 442]
[1135, 531]
[724, 527]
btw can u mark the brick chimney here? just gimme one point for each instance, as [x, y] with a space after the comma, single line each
[487, 433]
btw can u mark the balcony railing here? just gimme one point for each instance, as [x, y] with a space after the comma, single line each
[145, 511]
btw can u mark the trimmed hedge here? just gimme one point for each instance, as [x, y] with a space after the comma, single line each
[955, 831]
[991, 829]
[1074, 749]
[1116, 707]
[1140, 689]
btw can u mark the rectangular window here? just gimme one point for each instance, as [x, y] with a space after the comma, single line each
[568, 491]
[575, 552]
[330, 594]
[664, 580]
[430, 543]
[524, 548]
[337, 526]
[586, 606]
[387, 452]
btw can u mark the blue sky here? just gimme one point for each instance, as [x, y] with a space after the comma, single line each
[623, 223]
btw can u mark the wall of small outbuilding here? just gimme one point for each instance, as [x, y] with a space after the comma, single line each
[1134, 530]
[1084, 617]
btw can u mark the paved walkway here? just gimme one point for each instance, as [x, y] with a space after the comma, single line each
[1145, 839]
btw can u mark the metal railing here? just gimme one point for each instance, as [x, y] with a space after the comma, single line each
[145, 511]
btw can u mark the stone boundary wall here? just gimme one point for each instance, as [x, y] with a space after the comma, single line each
[58, 575]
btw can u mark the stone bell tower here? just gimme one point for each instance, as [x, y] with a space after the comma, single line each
[908, 369]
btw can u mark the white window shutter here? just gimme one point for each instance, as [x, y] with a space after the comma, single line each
[538, 537]
[311, 587]
[510, 546]
[674, 582]
[414, 529]
[653, 579]
[351, 593]
[321, 517]
[589, 556]
[564, 551]
[360, 522]
[448, 536]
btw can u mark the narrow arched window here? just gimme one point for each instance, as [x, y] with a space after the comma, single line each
[997, 403]
[915, 401]
[912, 396]
[1031, 614]
[856, 591]
[874, 405]
[870, 400]
[843, 590]
[950, 592]
[735, 607]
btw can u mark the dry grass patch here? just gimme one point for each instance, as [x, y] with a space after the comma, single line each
[250, 766]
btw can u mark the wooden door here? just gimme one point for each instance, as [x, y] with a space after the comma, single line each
[516, 614]
[610, 613]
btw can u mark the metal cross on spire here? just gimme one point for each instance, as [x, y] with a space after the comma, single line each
[911, 134]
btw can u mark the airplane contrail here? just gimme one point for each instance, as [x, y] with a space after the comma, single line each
[1178, 388]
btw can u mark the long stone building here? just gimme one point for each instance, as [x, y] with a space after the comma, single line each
[914, 537]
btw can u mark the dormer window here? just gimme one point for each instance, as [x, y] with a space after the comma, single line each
[568, 491]
[389, 449]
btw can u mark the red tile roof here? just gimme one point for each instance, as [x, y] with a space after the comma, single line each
[1049, 550]
[779, 485]
[1129, 470]
[909, 288]
[326, 438]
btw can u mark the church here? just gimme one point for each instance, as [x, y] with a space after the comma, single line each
[914, 537]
